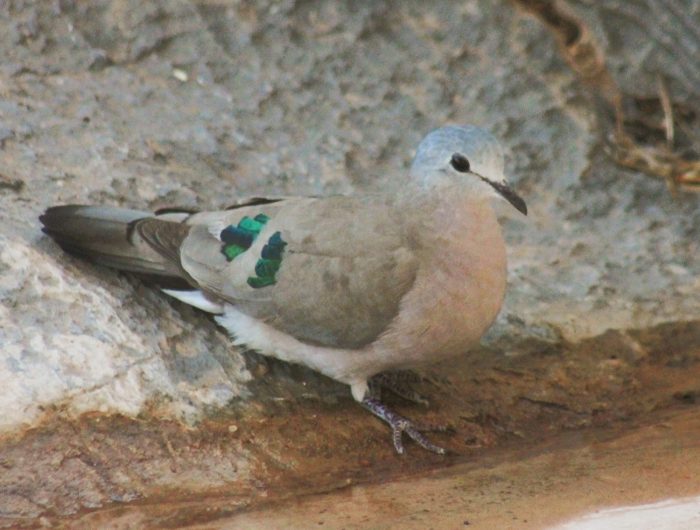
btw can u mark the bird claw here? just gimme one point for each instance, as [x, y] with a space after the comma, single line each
[405, 426]
[400, 426]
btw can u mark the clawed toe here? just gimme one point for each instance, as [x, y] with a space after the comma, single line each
[407, 427]
[400, 425]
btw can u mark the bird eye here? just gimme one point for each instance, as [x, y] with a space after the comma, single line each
[460, 163]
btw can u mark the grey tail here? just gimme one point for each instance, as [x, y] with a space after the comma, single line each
[106, 235]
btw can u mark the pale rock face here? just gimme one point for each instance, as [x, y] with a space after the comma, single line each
[69, 344]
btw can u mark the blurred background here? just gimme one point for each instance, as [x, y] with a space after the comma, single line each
[199, 103]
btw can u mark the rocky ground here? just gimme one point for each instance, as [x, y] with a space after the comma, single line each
[112, 393]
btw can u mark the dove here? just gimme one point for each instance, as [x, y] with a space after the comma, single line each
[352, 286]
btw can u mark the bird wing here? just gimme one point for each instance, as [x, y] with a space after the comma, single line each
[328, 271]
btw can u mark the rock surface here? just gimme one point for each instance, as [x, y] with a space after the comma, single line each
[198, 103]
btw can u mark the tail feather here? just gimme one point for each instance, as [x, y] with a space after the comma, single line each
[104, 235]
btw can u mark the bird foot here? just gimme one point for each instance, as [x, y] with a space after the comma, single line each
[400, 384]
[400, 425]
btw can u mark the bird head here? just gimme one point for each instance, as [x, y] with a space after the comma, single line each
[465, 155]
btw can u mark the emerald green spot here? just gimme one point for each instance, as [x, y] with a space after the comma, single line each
[251, 225]
[269, 263]
[232, 251]
[239, 238]
[267, 267]
[256, 282]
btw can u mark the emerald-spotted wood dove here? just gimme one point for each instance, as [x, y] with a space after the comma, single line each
[350, 286]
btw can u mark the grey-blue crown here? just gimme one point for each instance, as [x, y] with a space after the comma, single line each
[478, 145]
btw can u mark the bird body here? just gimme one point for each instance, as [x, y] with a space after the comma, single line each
[418, 297]
[350, 286]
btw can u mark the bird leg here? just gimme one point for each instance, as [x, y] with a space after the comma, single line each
[399, 425]
[400, 384]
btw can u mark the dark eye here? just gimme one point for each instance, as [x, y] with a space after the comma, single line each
[460, 163]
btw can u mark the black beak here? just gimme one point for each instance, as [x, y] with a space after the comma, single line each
[509, 195]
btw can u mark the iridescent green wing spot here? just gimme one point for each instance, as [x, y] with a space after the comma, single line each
[269, 263]
[237, 239]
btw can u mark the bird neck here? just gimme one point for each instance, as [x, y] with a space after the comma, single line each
[461, 279]
[443, 217]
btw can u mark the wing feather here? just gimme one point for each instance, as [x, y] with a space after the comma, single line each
[337, 280]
